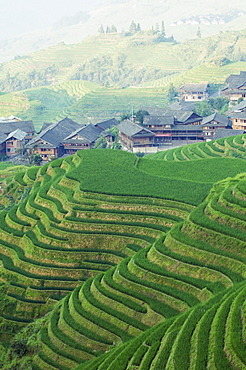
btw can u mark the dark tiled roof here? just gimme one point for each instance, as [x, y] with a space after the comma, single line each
[235, 81]
[17, 134]
[7, 127]
[107, 124]
[182, 105]
[239, 107]
[54, 134]
[45, 125]
[240, 115]
[2, 137]
[185, 116]
[218, 118]
[89, 132]
[222, 132]
[194, 87]
[155, 111]
[130, 129]
[158, 120]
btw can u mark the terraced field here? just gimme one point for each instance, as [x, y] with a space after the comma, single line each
[188, 286]
[233, 146]
[140, 266]
[54, 235]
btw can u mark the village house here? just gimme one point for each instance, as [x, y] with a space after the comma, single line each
[212, 123]
[133, 136]
[193, 92]
[66, 137]
[82, 138]
[14, 141]
[14, 134]
[239, 121]
[48, 143]
[235, 87]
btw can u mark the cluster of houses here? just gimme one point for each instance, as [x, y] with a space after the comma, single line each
[54, 140]
[176, 124]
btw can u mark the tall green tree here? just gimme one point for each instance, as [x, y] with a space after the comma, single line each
[101, 29]
[133, 28]
[163, 32]
[199, 35]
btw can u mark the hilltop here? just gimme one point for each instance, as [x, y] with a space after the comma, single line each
[182, 20]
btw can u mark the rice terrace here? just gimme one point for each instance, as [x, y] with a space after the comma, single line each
[111, 261]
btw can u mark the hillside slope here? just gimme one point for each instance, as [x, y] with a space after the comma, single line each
[195, 265]
[131, 233]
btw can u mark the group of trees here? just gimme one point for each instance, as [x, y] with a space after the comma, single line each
[110, 71]
[207, 107]
[23, 81]
[158, 29]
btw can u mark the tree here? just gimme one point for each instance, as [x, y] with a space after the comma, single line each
[108, 29]
[199, 35]
[133, 28]
[140, 115]
[163, 32]
[101, 29]
[203, 108]
[157, 28]
[113, 28]
[172, 93]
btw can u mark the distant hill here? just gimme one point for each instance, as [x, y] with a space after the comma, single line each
[181, 20]
[112, 73]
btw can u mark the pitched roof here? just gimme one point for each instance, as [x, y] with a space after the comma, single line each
[223, 132]
[158, 120]
[17, 134]
[154, 111]
[236, 81]
[239, 115]
[182, 105]
[2, 137]
[130, 129]
[7, 127]
[55, 133]
[89, 132]
[218, 118]
[105, 125]
[239, 107]
[196, 87]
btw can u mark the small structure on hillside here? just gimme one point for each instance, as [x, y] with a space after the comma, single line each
[212, 123]
[235, 87]
[193, 92]
[133, 136]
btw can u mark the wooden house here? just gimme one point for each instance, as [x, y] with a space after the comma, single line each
[132, 135]
[239, 121]
[49, 142]
[161, 126]
[212, 123]
[14, 141]
[82, 138]
[193, 92]
[6, 127]
[235, 87]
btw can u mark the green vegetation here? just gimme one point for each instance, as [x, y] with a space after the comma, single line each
[131, 261]
[110, 73]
